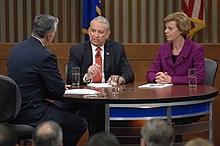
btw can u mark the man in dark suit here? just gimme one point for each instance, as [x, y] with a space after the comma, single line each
[115, 62]
[34, 69]
[114, 65]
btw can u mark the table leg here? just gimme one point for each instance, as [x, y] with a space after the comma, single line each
[107, 118]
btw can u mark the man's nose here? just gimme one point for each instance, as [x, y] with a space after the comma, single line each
[96, 34]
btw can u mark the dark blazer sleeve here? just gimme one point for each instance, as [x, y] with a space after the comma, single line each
[80, 55]
[116, 62]
[74, 59]
[126, 70]
[53, 82]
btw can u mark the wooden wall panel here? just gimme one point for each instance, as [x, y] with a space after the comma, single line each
[132, 21]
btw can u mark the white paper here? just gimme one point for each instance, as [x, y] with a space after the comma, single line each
[99, 85]
[154, 85]
[81, 91]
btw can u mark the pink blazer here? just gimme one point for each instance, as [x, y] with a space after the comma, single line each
[191, 55]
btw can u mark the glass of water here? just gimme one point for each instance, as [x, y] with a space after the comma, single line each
[75, 76]
[192, 77]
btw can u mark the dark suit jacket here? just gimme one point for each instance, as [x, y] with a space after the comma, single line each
[34, 69]
[115, 60]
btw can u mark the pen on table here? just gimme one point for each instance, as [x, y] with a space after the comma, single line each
[157, 85]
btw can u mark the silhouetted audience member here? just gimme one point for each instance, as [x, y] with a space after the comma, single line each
[7, 136]
[198, 142]
[156, 132]
[103, 139]
[48, 133]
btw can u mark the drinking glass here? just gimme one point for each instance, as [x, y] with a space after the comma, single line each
[192, 77]
[115, 86]
[75, 76]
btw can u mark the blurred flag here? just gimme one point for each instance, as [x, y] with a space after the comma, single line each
[91, 9]
[196, 13]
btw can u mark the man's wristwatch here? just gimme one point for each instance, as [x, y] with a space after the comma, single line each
[122, 79]
[86, 81]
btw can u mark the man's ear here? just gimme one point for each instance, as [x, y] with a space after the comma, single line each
[109, 32]
[49, 36]
[142, 142]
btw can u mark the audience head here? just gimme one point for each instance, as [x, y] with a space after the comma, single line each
[198, 142]
[7, 136]
[45, 26]
[103, 139]
[99, 31]
[182, 22]
[48, 133]
[156, 132]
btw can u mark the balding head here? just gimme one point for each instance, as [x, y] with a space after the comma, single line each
[48, 133]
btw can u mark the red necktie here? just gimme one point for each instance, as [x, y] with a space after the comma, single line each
[98, 59]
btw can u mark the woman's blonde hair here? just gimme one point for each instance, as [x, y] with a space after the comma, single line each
[182, 22]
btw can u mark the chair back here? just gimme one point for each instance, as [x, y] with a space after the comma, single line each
[10, 99]
[66, 69]
[211, 68]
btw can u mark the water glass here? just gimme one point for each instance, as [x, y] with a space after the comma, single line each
[115, 86]
[75, 76]
[192, 77]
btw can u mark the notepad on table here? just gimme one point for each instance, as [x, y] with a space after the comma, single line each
[81, 91]
[153, 85]
[99, 85]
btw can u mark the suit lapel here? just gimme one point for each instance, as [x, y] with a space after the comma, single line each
[182, 55]
[88, 53]
[184, 52]
[107, 56]
[168, 54]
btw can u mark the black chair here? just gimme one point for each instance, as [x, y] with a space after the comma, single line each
[211, 68]
[10, 104]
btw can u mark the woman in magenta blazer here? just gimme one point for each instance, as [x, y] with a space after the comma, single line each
[175, 57]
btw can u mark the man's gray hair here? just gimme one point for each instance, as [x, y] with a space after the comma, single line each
[48, 133]
[157, 132]
[103, 139]
[43, 24]
[101, 19]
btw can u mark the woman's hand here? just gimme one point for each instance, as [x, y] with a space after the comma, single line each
[163, 78]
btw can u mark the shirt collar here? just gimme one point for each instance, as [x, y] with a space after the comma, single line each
[94, 47]
[37, 38]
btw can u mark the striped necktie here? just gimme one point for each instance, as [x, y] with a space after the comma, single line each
[98, 59]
